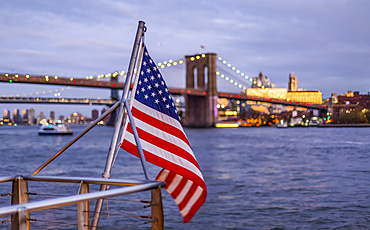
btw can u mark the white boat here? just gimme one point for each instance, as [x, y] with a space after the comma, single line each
[314, 122]
[282, 124]
[56, 128]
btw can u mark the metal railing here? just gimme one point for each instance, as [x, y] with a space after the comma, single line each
[21, 207]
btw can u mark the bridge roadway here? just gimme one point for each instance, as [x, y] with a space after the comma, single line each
[55, 80]
[54, 100]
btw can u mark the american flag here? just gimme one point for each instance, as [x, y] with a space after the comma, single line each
[164, 141]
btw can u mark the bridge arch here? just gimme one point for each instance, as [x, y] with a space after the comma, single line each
[201, 110]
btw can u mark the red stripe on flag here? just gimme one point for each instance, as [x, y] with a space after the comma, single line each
[159, 124]
[179, 188]
[169, 179]
[189, 194]
[178, 169]
[163, 144]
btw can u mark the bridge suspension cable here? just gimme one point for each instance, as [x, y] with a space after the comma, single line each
[248, 78]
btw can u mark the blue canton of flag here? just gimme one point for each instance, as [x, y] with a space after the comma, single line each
[152, 90]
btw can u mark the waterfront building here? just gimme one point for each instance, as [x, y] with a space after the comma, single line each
[94, 114]
[25, 120]
[17, 118]
[52, 115]
[350, 103]
[31, 116]
[261, 80]
[313, 97]
[293, 82]
[40, 118]
[6, 116]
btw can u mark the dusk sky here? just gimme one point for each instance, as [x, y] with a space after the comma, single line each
[326, 43]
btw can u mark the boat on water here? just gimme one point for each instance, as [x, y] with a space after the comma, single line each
[56, 128]
[282, 124]
[314, 122]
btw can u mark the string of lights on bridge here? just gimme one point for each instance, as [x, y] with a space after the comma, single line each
[170, 63]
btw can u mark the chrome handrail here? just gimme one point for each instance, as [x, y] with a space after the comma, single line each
[64, 201]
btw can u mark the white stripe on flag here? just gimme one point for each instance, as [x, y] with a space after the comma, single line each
[163, 135]
[157, 115]
[192, 201]
[175, 182]
[163, 175]
[181, 162]
[183, 192]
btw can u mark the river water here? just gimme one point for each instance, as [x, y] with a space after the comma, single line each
[257, 178]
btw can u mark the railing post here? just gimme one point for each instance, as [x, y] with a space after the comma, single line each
[20, 196]
[83, 209]
[157, 209]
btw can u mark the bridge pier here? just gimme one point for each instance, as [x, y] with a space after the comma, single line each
[114, 96]
[201, 110]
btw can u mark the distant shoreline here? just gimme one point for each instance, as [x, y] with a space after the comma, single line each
[361, 125]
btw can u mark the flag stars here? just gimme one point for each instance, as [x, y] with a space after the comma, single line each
[139, 82]
[145, 80]
[152, 78]
[156, 85]
[146, 96]
[164, 99]
[149, 87]
[156, 101]
[148, 70]
[153, 94]
[160, 92]
[167, 106]
[144, 63]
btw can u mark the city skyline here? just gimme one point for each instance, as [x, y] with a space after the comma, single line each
[324, 43]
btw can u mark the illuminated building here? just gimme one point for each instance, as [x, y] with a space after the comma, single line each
[31, 117]
[17, 119]
[293, 82]
[314, 97]
[6, 117]
[262, 81]
[260, 89]
[349, 103]
[25, 120]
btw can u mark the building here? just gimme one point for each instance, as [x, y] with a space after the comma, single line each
[313, 97]
[52, 115]
[349, 103]
[293, 82]
[6, 116]
[94, 114]
[261, 80]
[31, 117]
[17, 118]
[25, 120]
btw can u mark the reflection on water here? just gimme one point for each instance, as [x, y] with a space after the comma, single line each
[257, 178]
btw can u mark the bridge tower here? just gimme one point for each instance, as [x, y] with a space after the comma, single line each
[201, 111]
[115, 97]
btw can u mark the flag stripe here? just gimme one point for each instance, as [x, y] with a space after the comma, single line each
[163, 118]
[180, 198]
[194, 204]
[174, 183]
[154, 137]
[155, 122]
[187, 196]
[192, 172]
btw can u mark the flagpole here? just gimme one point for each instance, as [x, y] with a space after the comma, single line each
[125, 121]
[115, 138]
